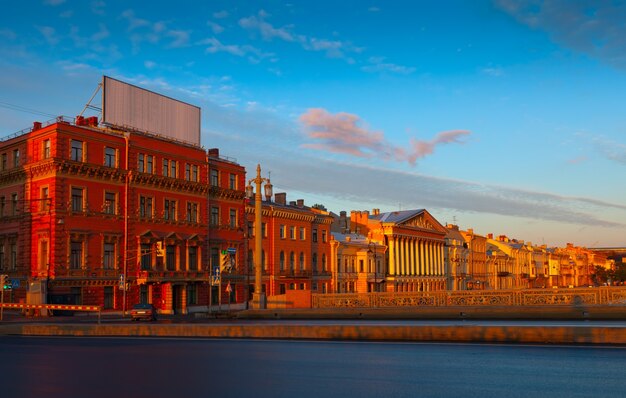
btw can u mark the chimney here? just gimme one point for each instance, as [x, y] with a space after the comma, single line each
[375, 212]
[214, 153]
[292, 203]
[281, 198]
[300, 202]
[36, 126]
[489, 236]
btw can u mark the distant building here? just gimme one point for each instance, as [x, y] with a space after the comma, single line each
[456, 258]
[358, 264]
[415, 242]
[295, 244]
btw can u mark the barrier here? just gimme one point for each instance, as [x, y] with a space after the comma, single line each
[84, 308]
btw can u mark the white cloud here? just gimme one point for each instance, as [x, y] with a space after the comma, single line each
[49, 33]
[216, 28]
[377, 65]
[221, 14]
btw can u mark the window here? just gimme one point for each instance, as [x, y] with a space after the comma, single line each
[192, 294]
[263, 263]
[170, 257]
[302, 233]
[141, 163]
[192, 212]
[166, 167]
[44, 205]
[108, 256]
[292, 232]
[314, 262]
[4, 161]
[281, 289]
[170, 210]
[109, 203]
[76, 151]
[292, 261]
[45, 149]
[215, 215]
[214, 178]
[264, 230]
[14, 204]
[360, 265]
[314, 235]
[108, 297]
[145, 207]
[2, 203]
[76, 255]
[187, 172]
[324, 236]
[301, 261]
[282, 232]
[250, 230]
[194, 173]
[173, 173]
[233, 218]
[16, 157]
[43, 255]
[146, 256]
[77, 199]
[13, 259]
[1, 256]
[109, 157]
[143, 294]
[232, 183]
[282, 261]
[193, 258]
[149, 162]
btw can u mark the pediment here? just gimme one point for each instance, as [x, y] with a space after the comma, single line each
[424, 220]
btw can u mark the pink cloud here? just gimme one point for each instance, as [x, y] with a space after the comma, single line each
[344, 133]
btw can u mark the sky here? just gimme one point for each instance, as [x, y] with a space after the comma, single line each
[502, 116]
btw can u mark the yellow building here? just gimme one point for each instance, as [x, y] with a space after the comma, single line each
[415, 242]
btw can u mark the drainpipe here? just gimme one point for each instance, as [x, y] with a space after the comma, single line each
[126, 183]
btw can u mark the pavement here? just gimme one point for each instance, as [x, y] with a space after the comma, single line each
[592, 325]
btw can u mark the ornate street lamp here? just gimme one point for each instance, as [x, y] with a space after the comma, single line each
[258, 298]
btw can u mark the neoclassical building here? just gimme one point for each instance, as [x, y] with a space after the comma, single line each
[415, 242]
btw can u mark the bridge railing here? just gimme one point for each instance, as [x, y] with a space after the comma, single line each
[63, 307]
[517, 297]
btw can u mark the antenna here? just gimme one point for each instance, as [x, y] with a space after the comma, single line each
[454, 220]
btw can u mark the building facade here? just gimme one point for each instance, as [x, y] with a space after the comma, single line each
[295, 245]
[358, 264]
[415, 242]
[96, 216]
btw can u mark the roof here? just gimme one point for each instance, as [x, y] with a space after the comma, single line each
[396, 216]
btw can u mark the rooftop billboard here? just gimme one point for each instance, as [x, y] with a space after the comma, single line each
[128, 106]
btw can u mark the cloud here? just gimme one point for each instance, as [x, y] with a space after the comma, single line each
[343, 133]
[216, 28]
[53, 3]
[610, 149]
[216, 46]
[221, 14]
[595, 28]
[332, 48]
[7, 34]
[180, 38]
[49, 33]
[378, 65]
[98, 6]
[268, 32]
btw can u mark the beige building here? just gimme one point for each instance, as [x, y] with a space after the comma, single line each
[357, 263]
[456, 257]
[415, 242]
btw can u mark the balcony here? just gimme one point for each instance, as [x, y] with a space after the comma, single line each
[294, 273]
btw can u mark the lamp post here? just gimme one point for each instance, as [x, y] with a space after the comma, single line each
[258, 299]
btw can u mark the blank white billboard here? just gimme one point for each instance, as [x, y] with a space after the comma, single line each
[125, 105]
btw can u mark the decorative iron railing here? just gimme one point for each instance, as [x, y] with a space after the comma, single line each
[518, 297]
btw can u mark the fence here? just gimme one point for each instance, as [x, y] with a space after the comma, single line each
[83, 308]
[577, 296]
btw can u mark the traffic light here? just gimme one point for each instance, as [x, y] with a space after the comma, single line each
[6, 284]
[226, 261]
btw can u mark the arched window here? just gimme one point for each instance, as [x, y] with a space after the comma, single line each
[292, 261]
[301, 261]
[282, 261]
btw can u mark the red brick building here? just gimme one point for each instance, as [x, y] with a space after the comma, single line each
[296, 247]
[226, 204]
[87, 210]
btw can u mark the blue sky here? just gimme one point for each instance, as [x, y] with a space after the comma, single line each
[506, 117]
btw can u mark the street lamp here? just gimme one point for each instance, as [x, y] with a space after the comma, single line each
[258, 299]
[369, 250]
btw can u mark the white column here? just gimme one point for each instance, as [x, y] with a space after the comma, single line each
[413, 262]
[422, 259]
[392, 254]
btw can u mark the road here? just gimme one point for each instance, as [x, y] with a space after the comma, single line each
[153, 367]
